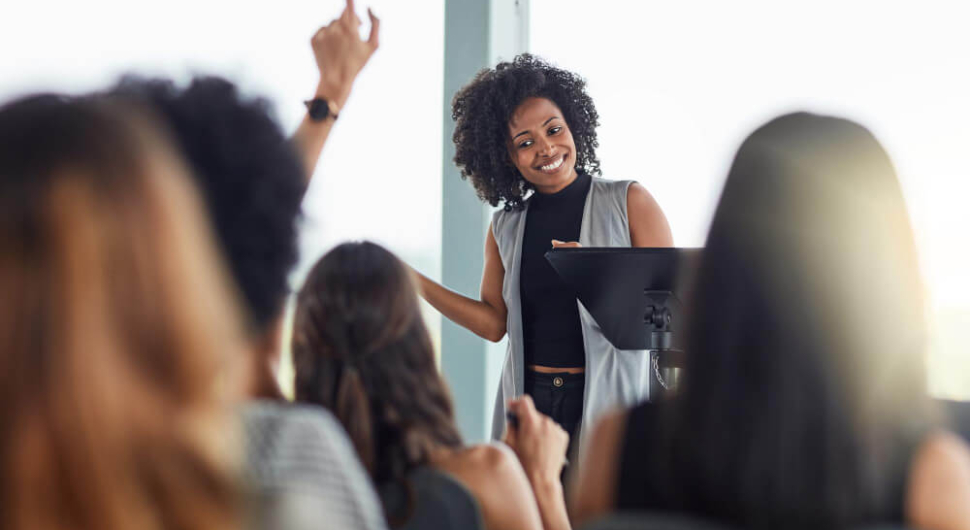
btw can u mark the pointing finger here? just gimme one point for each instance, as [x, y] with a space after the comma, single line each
[349, 16]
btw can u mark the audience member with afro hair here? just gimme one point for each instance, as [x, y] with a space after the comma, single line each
[250, 175]
[525, 136]
[302, 468]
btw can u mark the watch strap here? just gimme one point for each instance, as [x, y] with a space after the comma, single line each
[320, 109]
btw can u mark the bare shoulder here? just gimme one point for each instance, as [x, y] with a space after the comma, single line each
[648, 224]
[480, 456]
[640, 200]
[482, 463]
[495, 478]
[938, 495]
[594, 483]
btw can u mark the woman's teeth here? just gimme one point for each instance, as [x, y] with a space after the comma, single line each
[553, 166]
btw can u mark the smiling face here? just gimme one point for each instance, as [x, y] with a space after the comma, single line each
[541, 145]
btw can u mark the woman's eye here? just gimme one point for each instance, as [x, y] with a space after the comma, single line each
[525, 144]
[555, 130]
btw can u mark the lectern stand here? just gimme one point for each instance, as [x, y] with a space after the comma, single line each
[636, 296]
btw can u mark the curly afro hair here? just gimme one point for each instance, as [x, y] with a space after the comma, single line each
[482, 110]
[250, 176]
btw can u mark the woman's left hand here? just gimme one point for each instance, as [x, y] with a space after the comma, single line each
[565, 244]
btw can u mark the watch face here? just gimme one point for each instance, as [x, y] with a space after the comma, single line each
[318, 109]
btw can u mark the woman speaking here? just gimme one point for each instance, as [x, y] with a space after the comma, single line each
[525, 135]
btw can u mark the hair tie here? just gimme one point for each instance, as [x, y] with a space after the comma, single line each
[350, 368]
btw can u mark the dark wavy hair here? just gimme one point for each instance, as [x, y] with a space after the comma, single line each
[360, 349]
[250, 175]
[805, 389]
[482, 110]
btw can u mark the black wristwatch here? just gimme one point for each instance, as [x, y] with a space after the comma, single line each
[320, 109]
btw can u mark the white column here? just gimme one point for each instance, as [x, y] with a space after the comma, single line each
[478, 33]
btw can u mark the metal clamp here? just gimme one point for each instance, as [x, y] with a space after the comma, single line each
[656, 371]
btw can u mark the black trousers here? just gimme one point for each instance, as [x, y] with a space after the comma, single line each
[559, 396]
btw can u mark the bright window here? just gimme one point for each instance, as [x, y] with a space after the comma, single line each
[380, 175]
[678, 85]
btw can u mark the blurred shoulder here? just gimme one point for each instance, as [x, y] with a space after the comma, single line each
[595, 481]
[302, 468]
[292, 418]
[482, 462]
[606, 442]
[610, 426]
[494, 476]
[282, 432]
[938, 493]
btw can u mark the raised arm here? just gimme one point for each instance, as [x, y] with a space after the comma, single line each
[485, 317]
[340, 54]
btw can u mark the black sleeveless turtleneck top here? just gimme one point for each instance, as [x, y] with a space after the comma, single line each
[551, 328]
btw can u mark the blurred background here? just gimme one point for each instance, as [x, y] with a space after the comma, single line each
[678, 85]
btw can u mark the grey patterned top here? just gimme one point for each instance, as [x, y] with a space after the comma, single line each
[303, 471]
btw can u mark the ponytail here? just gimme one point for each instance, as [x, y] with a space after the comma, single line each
[353, 410]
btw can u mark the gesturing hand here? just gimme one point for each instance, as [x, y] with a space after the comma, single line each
[341, 53]
[539, 442]
[564, 244]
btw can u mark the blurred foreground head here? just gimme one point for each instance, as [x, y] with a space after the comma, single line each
[116, 330]
[360, 348]
[251, 179]
[805, 388]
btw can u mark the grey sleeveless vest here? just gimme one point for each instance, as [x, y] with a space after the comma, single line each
[613, 377]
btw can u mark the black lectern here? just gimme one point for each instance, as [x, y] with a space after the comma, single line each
[637, 296]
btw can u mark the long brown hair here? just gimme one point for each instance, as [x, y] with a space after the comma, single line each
[361, 349]
[114, 328]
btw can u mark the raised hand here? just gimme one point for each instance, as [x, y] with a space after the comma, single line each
[341, 53]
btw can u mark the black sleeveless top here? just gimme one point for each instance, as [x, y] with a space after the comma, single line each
[648, 481]
[430, 500]
[551, 329]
